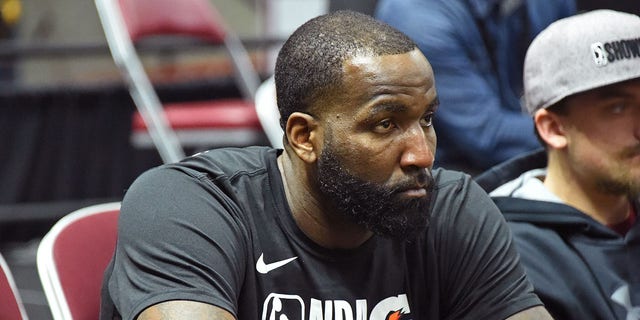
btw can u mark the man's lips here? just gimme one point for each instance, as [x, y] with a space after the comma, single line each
[416, 191]
[416, 187]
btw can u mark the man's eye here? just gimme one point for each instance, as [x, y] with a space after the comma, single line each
[384, 125]
[618, 108]
[427, 120]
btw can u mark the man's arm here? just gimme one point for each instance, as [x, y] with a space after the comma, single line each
[191, 310]
[535, 313]
[177, 238]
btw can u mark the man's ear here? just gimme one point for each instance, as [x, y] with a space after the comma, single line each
[550, 128]
[303, 133]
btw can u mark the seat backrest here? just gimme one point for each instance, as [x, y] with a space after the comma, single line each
[268, 113]
[194, 18]
[11, 307]
[126, 21]
[72, 257]
[184, 17]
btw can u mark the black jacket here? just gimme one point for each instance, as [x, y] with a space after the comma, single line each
[580, 268]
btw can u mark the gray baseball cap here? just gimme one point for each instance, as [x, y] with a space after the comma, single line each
[580, 53]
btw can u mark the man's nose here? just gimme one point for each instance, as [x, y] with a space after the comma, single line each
[418, 151]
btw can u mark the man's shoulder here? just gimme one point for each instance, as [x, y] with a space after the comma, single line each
[453, 190]
[228, 169]
[229, 162]
[254, 156]
[458, 197]
[446, 179]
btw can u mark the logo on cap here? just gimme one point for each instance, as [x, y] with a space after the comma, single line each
[599, 54]
[609, 52]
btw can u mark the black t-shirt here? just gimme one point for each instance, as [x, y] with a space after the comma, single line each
[216, 228]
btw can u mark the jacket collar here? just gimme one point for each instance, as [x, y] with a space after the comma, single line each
[511, 169]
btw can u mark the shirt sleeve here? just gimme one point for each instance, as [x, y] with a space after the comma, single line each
[179, 238]
[478, 263]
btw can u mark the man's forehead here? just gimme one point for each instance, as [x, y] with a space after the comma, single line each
[363, 57]
[374, 65]
[367, 77]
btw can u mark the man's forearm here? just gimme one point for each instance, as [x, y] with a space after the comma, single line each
[535, 313]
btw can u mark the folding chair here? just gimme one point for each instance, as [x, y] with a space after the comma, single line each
[72, 257]
[174, 126]
[268, 113]
[11, 307]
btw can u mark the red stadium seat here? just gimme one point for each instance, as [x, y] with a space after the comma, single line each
[72, 257]
[11, 307]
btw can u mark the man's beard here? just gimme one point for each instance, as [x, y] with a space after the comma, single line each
[620, 185]
[621, 180]
[378, 208]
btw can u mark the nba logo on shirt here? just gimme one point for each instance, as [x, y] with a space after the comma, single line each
[283, 307]
[291, 307]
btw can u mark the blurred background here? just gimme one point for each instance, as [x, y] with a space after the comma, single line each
[65, 113]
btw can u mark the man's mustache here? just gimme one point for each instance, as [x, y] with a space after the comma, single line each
[422, 179]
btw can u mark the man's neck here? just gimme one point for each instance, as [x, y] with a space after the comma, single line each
[320, 221]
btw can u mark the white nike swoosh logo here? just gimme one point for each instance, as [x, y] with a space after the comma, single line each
[265, 268]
